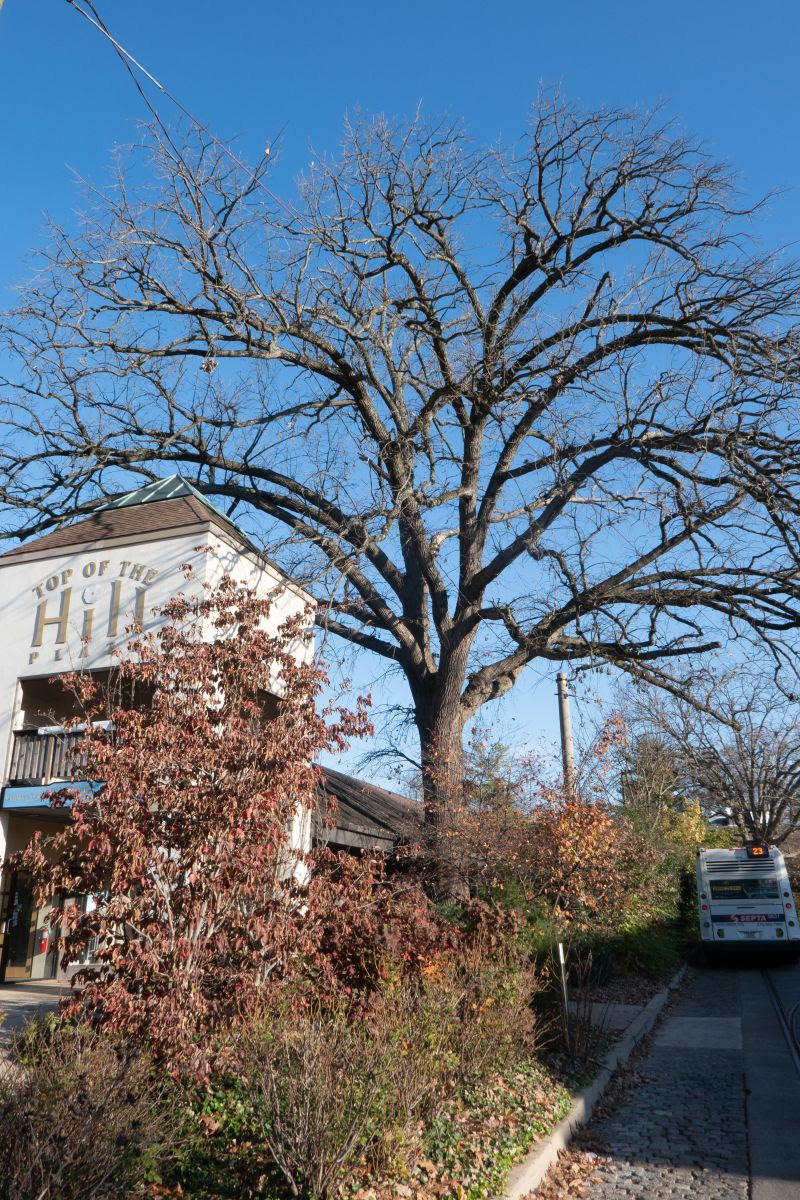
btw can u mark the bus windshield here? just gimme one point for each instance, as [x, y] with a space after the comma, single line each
[744, 889]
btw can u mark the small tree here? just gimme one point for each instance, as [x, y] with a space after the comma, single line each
[651, 780]
[184, 840]
[561, 847]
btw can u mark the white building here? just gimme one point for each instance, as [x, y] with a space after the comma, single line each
[67, 599]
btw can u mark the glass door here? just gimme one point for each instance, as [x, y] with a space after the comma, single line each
[20, 927]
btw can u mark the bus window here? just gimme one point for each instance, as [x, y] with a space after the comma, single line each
[744, 889]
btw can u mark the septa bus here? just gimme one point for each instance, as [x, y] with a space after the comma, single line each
[746, 901]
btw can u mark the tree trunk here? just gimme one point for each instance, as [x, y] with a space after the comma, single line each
[440, 723]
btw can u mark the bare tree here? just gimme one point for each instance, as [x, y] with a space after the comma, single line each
[505, 404]
[745, 763]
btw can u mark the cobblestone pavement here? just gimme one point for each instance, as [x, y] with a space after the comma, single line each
[682, 1131]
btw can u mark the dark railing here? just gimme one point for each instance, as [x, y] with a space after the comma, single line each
[43, 757]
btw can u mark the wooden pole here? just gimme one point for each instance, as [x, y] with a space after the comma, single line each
[565, 723]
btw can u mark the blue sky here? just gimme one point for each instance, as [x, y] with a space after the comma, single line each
[726, 71]
[249, 68]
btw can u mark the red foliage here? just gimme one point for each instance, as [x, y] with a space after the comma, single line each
[361, 924]
[184, 843]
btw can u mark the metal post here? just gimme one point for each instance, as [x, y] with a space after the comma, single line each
[562, 962]
[565, 723]
[565, 996]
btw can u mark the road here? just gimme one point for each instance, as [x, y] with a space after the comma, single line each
[715, 1113]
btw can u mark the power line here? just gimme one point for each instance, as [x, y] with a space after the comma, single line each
[130, 62]
[98, 24]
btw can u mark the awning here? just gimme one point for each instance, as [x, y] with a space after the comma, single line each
[31, 797]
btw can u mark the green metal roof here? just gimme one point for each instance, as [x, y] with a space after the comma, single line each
[170, 488]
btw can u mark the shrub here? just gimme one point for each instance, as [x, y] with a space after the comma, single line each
[83, 1116]
[357, 924]
[559, 850]
[319, 1084]
[497, 984]
[342, 1076]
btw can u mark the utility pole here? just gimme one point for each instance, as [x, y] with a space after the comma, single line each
[565, 723]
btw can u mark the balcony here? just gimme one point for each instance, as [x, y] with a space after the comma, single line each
[44, 756]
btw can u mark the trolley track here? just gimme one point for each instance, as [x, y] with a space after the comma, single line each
[788, 1018]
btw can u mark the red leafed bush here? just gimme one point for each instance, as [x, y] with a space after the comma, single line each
[358, 921]
[184, 841]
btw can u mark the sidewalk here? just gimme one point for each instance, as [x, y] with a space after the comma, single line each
[20, 1002]
[611, 1016]
[680, 1130]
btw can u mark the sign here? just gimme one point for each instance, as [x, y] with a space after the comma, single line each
[100, 599]
[35, 795]
[746, 918]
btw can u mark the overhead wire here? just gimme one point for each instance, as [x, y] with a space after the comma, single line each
[130, 62]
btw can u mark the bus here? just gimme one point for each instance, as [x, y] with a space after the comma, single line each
[746, 901]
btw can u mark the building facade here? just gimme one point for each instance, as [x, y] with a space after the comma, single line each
[67, 599]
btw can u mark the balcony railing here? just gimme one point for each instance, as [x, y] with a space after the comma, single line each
[44, 757]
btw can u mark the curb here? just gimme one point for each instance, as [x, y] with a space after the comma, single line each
[528, 1174]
